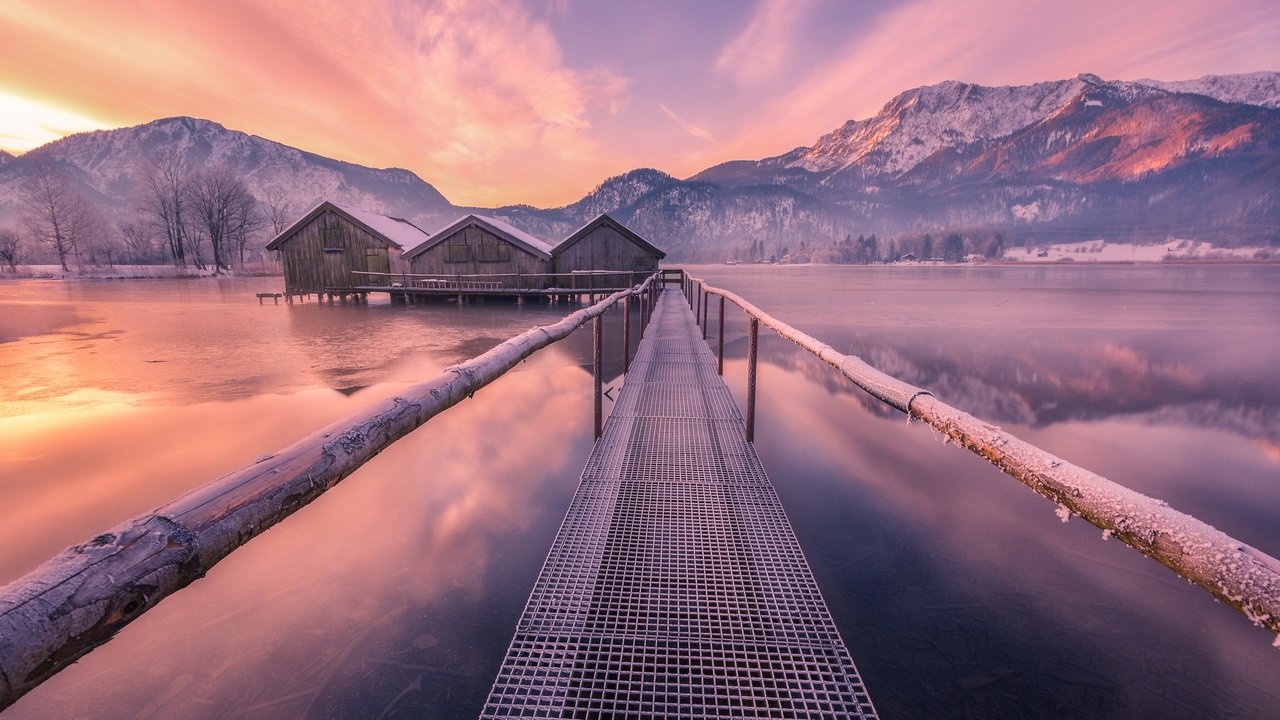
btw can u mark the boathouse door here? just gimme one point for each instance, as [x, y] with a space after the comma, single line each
[376, 260]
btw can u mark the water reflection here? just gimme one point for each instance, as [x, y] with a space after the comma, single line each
[388, 597]
[961, 594]
[392, 596]
[395, 595]
[187, 342]
[1074, 376]
[958, 590]
[383, 598]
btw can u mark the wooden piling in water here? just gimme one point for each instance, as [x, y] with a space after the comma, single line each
[752, 350]
[720, 350]
[597, 367]
[626, 334]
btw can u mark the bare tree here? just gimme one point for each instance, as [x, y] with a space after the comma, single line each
[11, 250]
[135, 237]
[280, 209]
[57, 214]
[222, 208]
[246, 220]
[165, 199]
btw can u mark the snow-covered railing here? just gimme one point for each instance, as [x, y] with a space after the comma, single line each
[81, 598]
[1238, 574]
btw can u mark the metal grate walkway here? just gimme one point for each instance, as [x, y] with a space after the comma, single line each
[675, 587]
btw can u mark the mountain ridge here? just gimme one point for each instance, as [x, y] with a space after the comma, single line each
[1136, 157]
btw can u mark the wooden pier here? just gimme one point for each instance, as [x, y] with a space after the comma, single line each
[675, 587]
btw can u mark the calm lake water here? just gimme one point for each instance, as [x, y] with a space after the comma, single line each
[958, 590]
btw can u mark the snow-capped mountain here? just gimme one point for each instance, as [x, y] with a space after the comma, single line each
[1082, 158]
[1260, 88]
[1085, 152]
[111, 167]
[952, 116]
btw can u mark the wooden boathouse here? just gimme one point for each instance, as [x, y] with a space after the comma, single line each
[605, 244]
[341, 251]
[476, 245]
[324, 250]
[478, 255]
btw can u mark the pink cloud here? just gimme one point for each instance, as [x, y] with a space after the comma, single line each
[761, 50]
[685, 125]
[998, 42]
[452, 90]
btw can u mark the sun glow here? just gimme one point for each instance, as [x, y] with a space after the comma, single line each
[26, 124]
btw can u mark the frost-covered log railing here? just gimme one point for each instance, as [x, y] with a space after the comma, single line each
[1238, 574]
[81, 598]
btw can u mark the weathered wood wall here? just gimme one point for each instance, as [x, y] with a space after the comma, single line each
[475, 251]
[604, 248]
[323, 253]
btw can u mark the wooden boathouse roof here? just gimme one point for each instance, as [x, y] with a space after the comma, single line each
[519, 238]
[396, 232]
[623, 230]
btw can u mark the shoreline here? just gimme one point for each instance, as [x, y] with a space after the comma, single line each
[132, 274]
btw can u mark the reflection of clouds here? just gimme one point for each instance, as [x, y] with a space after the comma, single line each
[986, 541]
[1270, 449]
[1054, 380]
[217, 343]
[311, 613]
[67, 475]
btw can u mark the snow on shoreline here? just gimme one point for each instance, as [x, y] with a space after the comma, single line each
[1103, 251]
[124, 272]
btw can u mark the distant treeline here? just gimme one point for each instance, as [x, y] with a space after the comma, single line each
[871, 249]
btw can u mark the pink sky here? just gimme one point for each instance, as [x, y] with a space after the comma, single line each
[498, 102]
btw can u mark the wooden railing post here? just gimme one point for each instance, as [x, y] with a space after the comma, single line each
[705, 321]
[626, 333]
[644, 311]
[720, 352]
[597, 346]
[752, 349]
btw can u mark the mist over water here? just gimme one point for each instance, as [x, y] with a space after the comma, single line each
[958, 590]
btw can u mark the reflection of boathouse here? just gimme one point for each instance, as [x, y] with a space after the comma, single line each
[338, 250]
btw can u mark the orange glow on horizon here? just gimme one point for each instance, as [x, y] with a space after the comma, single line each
[30, 123]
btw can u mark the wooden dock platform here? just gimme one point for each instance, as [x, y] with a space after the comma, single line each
[476, 289]
[676, 587]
